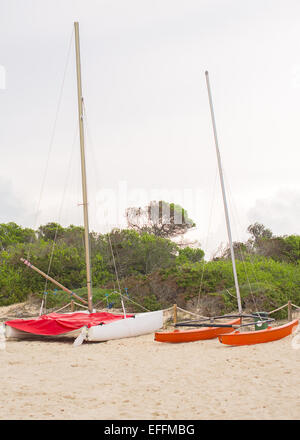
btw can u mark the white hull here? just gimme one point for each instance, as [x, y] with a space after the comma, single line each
[141, 324]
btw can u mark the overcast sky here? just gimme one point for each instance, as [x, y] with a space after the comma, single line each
[149, 133]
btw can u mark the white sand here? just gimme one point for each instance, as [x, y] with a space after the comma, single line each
[139, 378]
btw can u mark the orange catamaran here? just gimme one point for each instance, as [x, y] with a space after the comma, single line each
[192, 335]
[212, 328]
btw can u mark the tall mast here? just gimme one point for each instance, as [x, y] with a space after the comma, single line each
[224, 196]
[83, 171]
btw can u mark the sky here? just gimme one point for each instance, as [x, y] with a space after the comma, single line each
[148, 131]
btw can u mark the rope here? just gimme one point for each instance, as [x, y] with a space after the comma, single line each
[107, 296]
[109, 239]
[80, 305]
[51, 139]
[282, 307]
[251, 257]
[48, 159]
[236, 220]
[168, 309]
[194, 314]
[207, 236]
[295, 306]
[67, 305]
[279, 308]
[230, 293]
[59, 215]
[126, 297]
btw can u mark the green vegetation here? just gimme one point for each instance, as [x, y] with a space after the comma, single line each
[155, 270]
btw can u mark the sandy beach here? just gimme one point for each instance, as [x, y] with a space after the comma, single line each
[138, 378]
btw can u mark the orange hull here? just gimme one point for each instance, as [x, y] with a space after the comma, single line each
[260, 336]
[178, 336]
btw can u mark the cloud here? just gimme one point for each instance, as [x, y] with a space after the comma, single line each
[280, 213]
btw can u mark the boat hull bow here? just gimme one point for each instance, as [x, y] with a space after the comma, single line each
[260, 336]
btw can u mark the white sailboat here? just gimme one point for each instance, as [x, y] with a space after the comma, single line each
[109, 326]
[212, 327]
[266, 333]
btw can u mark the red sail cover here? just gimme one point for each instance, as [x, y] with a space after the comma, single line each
[59, 323]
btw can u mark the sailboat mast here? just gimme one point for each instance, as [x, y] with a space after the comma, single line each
[224, 195]
[83, 171]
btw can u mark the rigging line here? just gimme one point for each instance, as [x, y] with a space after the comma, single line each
[108, 235]
[52, 137]
[62, 203]
[116, 274]
[250, 255]
[78, 198]
[97, 174]
[236, 217]
[252, 265]
[207, 237]
[129, 299]
[90, 143]
[139, 305]
[106, 297]
[248, 280]
[115, 255]
[230, 293]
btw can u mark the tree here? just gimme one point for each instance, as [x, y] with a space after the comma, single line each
[74, 236]
[134, 252]
[293, 247]
[190, 255]
[11, 233]
[259, 232]
[260, 240]
[280, 248]
[161, 219]
[50, 231]
[240, 251]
